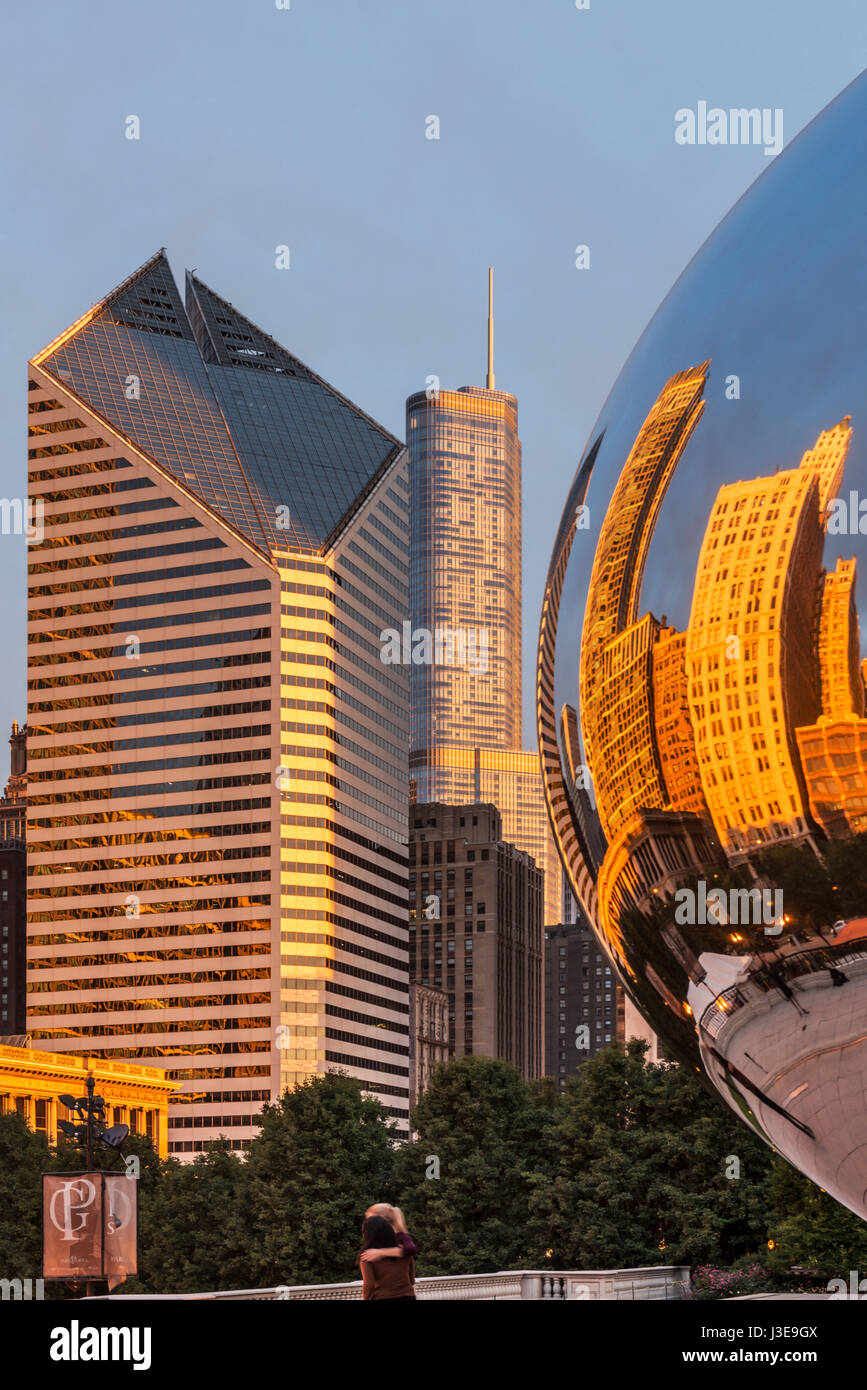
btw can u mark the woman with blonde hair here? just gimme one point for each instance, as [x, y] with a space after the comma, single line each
[404, 1243]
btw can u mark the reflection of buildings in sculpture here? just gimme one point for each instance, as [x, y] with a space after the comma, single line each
[673, 731]
[834, 749]
[842, 688]
[575, 778]
[627, 773]
[834, 755]
[616, 660]
[750, 659]
[651, 855]
[577, 857]
[511, 781]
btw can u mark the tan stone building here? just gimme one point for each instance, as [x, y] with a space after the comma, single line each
[428, 1036]
[32, 1080]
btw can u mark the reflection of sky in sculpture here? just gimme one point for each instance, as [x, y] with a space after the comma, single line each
[777, 296]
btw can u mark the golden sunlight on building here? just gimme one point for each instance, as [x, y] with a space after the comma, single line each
[32, 1080]
[750, 646]
[617, 649]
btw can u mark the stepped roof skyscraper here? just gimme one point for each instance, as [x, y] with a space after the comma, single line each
[217, 818]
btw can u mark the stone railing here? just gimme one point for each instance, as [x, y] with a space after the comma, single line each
[652, 1282]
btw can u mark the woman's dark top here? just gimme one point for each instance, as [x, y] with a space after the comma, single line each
[390, 1278]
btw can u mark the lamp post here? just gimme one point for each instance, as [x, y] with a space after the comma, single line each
[88, 1130]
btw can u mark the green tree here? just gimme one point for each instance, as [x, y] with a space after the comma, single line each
[640, 1163]
[464, 1183]
[195, 1232]
[811, 1230]
[24, 1157]
[324, 1154]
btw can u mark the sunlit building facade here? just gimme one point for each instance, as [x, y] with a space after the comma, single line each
[616, 646]
[465, 570]
[842, 689]
[33, 1079]
[750, 649]
[217, 818]
[674, 738]
[465, 576]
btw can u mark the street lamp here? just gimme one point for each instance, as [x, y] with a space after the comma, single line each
[90, 1127]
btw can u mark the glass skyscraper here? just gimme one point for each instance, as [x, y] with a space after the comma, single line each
[465, 579]
[217, 810]
[465, 572]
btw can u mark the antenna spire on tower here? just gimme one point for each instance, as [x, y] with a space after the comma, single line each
[490, 380]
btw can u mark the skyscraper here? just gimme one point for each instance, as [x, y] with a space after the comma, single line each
[582, 999]
[465, 577]
[750, 649]
[476, 931]
[218, 813]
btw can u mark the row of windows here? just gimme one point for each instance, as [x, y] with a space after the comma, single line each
[113, 697]
[169, 907]
[150, 953]
[173, 858]
[144, 837]
[207, 878]
[191, 1002]
[199, 1025]
[216, 734]
[111, 488]
[172, 644]
[209, 1122]
[60, 774]
[161, 596]
[122, 557]
[141, 504]
[133, 671]
[216, 1097]
[151, 981]
[103, 819]
[118, 533]
[111, 581]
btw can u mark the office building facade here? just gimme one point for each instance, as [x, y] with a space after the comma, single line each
[428, 1036]
[476, 931]
[218, 780]
[465, 579]
[582, 999]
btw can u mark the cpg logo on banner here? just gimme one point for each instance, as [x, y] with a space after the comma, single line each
[89, 1226]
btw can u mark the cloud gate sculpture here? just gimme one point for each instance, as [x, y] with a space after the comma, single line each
[700, 699]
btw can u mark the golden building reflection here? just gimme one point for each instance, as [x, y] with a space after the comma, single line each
[747, 729]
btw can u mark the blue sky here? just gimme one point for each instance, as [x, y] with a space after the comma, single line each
[306, 127]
